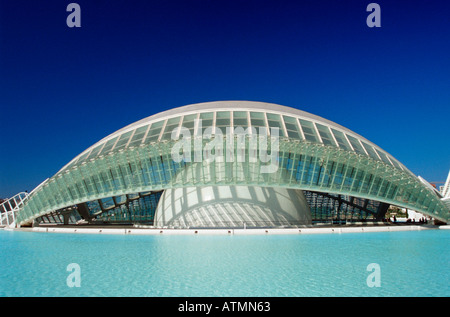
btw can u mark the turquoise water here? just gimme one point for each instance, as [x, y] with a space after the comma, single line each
[413, 263]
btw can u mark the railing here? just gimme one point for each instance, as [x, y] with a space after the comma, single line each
[9, 208]
[218, 224]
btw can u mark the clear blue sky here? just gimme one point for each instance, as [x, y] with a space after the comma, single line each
[63, 89]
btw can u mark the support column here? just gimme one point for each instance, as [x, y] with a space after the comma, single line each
[381, 212]
[83, 210]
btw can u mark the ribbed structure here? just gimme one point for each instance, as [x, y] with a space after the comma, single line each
[304, 152]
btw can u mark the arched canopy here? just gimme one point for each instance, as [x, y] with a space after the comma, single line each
[293, 123]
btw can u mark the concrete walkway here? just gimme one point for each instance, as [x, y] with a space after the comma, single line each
[259, 231]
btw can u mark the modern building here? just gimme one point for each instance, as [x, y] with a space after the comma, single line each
[229, 164]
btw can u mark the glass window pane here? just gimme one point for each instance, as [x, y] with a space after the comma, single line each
[206, 120]
[257, 115]
[108, 146]
[308, 131]
[207, 115]
[153, 133]
[325, 134]
[257, 119]
[292, 127]
[189, 121]
[383, 157]
[240, 114]
[83, 157]
[274, 121]
[95, 151]
[171, 124]
[341, 140]
[138, 135]
[240, 119]
[396, 164]
[371, 151]
[356, 145]
[223, 119]
[239, 122]
[123, 141]
[273, 116]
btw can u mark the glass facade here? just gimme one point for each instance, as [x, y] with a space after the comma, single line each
[289, 126]
[131, 208]
[317, 156]
[342, 208]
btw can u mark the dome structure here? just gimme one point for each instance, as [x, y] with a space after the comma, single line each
[145, 171]
[232, 206]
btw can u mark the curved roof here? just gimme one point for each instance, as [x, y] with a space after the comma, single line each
[314, 154]
[293, 123]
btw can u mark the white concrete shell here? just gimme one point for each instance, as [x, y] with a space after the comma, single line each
[231, 207]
